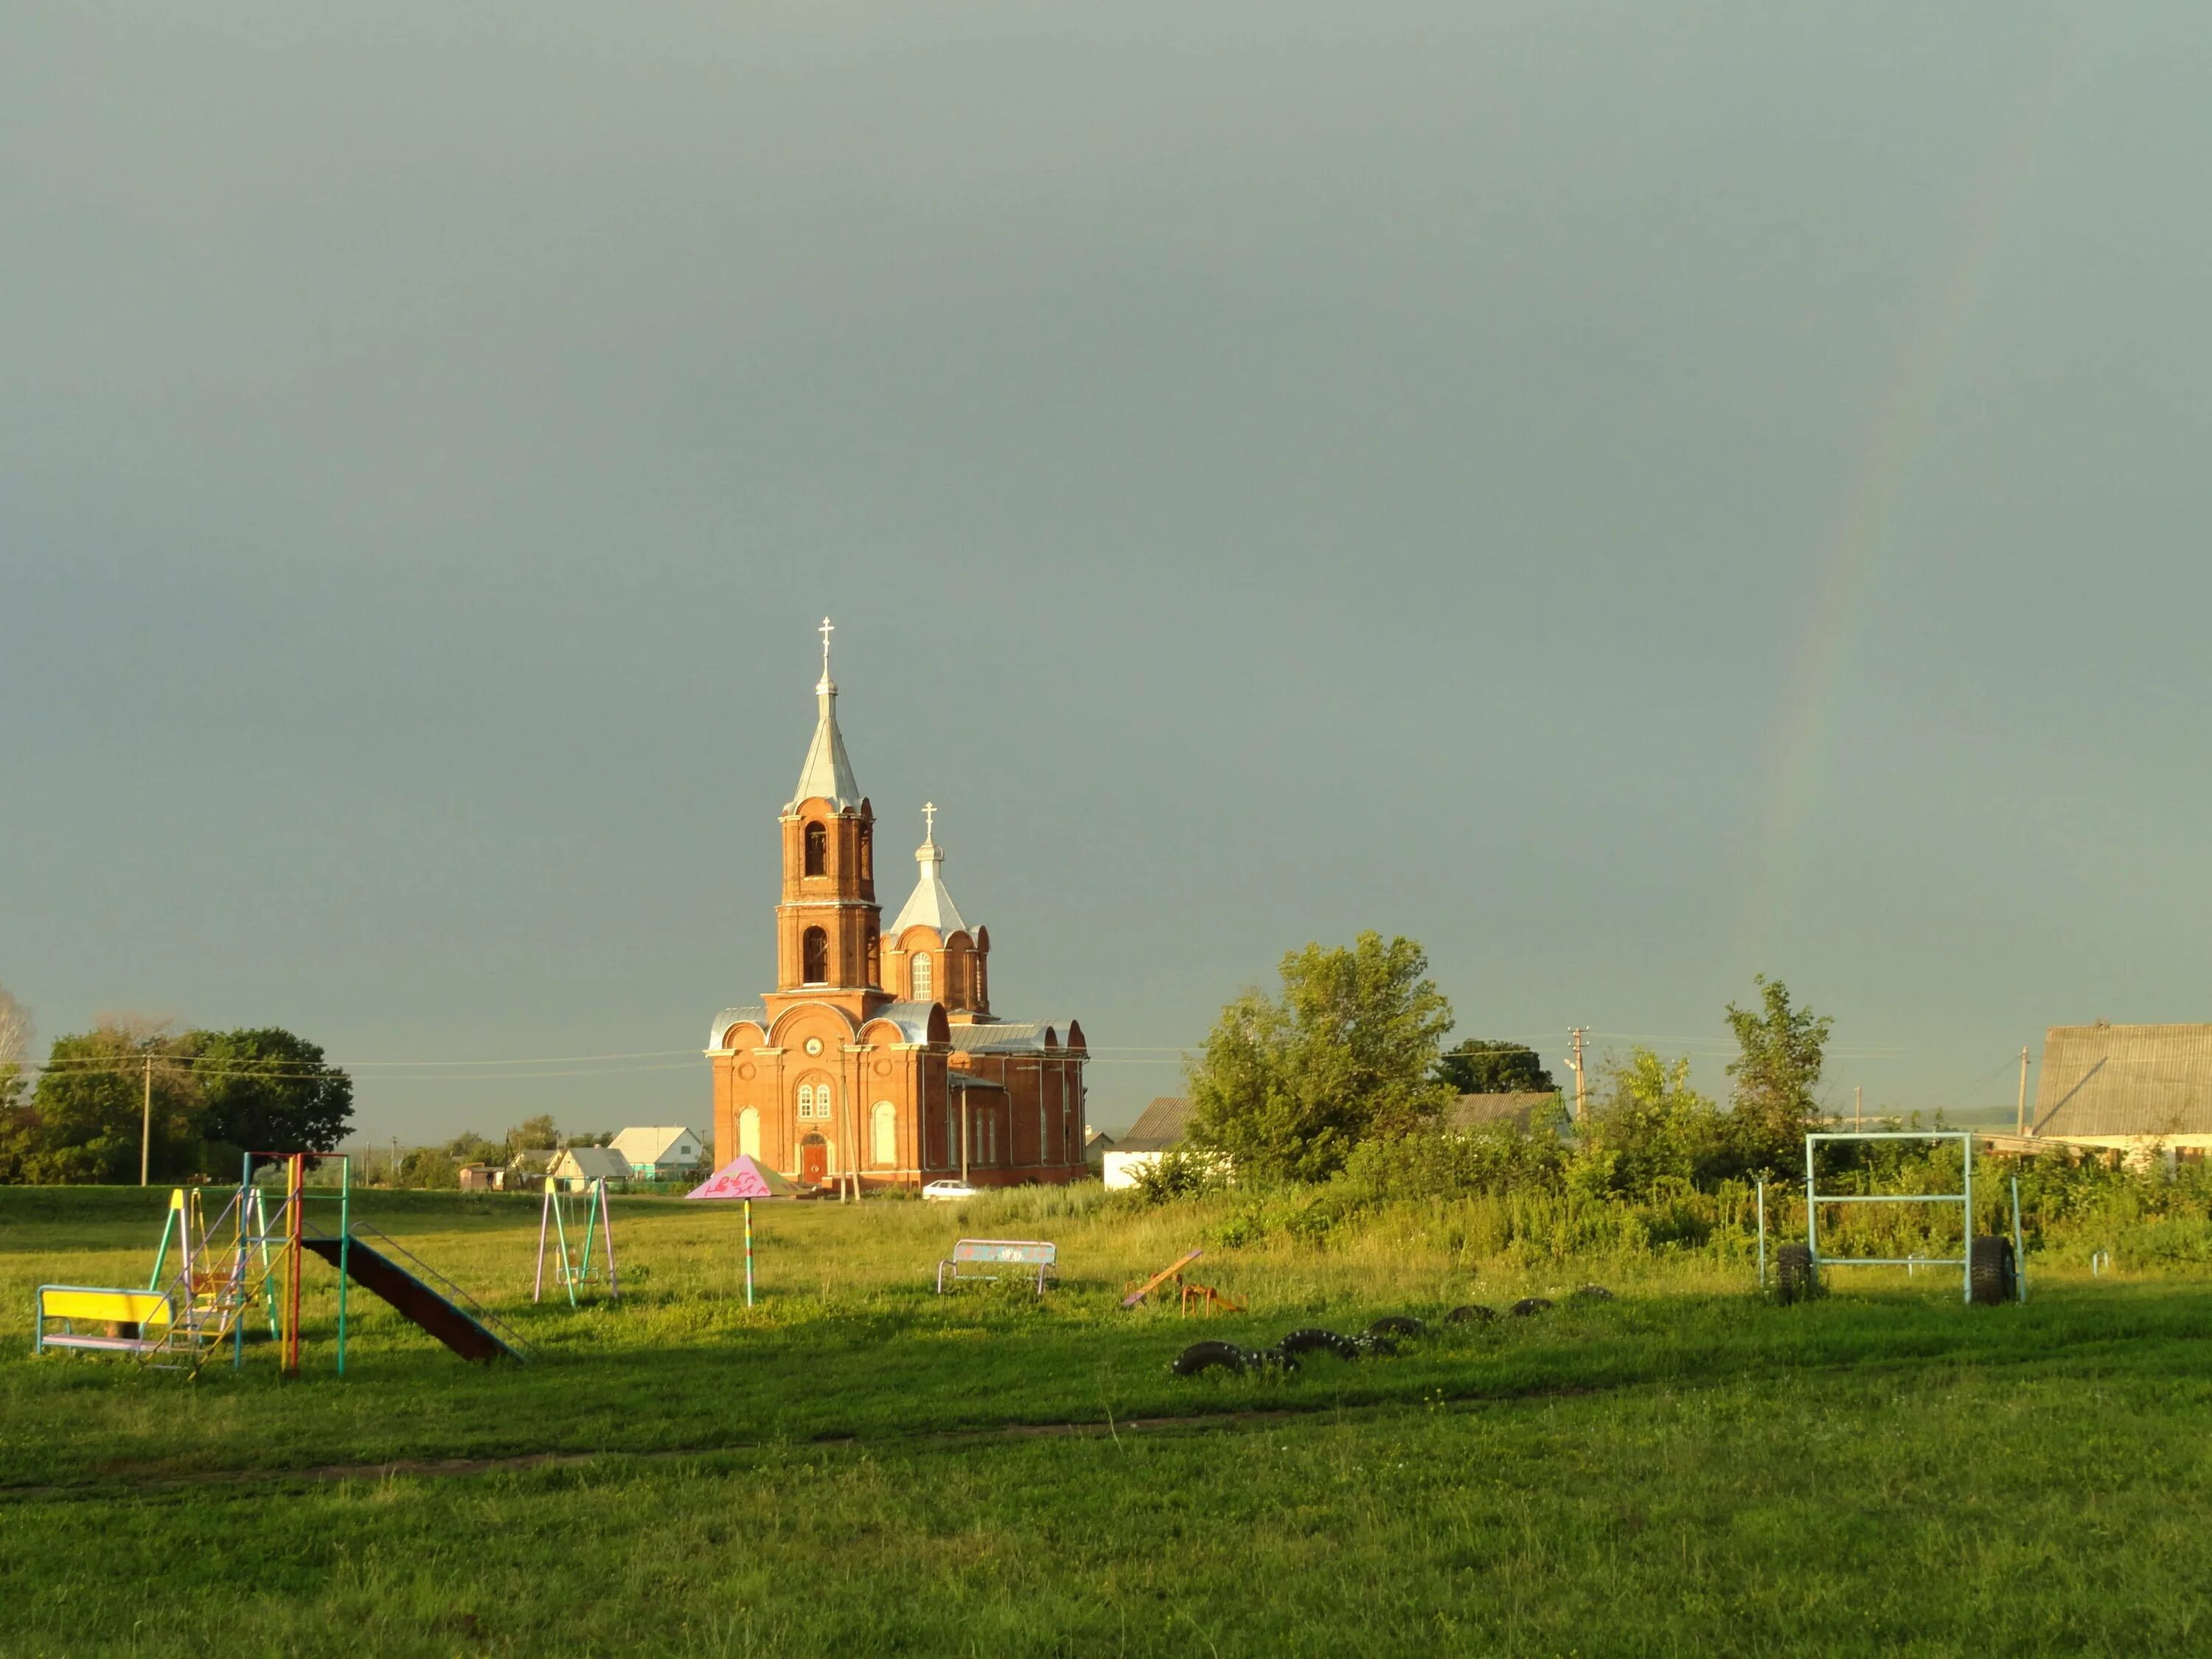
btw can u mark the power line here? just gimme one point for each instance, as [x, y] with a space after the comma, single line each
[441, 1065]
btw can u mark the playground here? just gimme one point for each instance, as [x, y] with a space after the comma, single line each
[858, 1463]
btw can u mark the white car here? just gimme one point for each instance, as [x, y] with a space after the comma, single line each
[948, 1191]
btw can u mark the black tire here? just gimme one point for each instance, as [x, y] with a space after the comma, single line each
[1529, 1304]
[1396, 1325]
[1312, 1337]
[1204, 1355]
[1379, 1348]
[1594, 1294]
[1993, 1270]
[1794, 1278]
[1471, 1313]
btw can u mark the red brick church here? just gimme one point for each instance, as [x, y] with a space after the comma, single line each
[877, 1057]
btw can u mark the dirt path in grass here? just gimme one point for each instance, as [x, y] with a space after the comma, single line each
[433, 1468]
[126, 1478]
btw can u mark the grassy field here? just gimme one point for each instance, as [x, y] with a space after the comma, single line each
[857, 1466]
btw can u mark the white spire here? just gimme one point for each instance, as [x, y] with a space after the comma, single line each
[827, 772]
[931, 905]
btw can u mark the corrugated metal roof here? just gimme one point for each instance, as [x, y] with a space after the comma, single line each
[1473, 1111]
[591, 1162]
[1163, 1124]
[2101, 1080]
[1005, 1037]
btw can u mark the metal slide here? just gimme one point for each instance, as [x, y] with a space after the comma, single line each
[447, 1311]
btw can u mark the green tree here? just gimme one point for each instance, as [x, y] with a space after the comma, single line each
[1779, 1067]
[534, 1134]
[1479, 1067]
[15, 1122]
[84, 1119]
[267, 1091]
[14, 1049]
[1653, 1124]
[428, 1167]
[470, 1147]
[1287, 1086]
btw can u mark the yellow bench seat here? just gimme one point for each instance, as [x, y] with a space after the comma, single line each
[135, 1311]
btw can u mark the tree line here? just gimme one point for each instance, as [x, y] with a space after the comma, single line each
[188, 1103]
[1348, 1057]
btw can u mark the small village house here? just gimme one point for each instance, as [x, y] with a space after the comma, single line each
[2134, 1088]
[1480, 1111]
[577, 1167]
[1164, 1124]
[658, 1151]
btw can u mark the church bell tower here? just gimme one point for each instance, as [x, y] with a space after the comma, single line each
[827, 923]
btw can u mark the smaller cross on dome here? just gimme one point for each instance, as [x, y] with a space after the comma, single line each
[827, 628]
[929, 820]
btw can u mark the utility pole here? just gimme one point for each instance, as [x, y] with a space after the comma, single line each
[1582, 1094]
[146, 1124]
[2019, 1117]
[1858, 1108]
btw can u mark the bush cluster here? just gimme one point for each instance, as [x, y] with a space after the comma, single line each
[1538, 1195]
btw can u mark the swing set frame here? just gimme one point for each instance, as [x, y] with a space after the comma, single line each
[574, 1268]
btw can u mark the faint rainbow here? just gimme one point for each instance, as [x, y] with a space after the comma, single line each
[1861, 541]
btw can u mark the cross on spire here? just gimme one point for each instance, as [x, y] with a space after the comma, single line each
[929, 820]
[827, 628]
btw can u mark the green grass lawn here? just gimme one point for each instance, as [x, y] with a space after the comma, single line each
[857, 1466]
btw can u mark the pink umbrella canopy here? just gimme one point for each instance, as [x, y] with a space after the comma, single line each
[742, 1178]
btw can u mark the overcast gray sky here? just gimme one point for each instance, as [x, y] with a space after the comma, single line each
[1632, 496]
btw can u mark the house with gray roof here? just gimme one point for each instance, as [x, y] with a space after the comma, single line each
[1163, 1124]
[1519, 1109]
[577, 1167]
[659, 1151]
[2132, 1088]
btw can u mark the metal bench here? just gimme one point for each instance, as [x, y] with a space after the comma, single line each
[126, 1314]
[1023, 1253]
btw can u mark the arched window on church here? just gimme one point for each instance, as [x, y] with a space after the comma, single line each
[814, 951]
[867, 854]
[748, 1133]
[886, 1133]
[922, 992]
[818, 850]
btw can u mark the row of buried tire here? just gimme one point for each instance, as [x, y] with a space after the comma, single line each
[1379, 1339]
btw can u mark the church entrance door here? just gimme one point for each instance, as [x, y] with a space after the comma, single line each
[814, 1159]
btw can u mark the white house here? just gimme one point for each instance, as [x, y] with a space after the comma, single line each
[659, 1151]
[577, 1167]
[1162, 1125]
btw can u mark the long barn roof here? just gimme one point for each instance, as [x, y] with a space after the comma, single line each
[2107, 1080]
